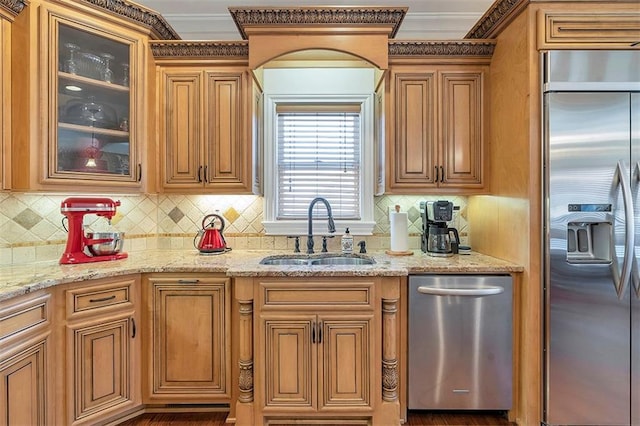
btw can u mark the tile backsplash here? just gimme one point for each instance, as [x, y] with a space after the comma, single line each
[32, 229]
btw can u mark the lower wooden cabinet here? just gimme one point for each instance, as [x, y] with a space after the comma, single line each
[317, 362]
[103, 349]
[186, 339]
[26, 358]
[325, 350]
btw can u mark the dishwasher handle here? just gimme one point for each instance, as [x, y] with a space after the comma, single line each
[484, 291]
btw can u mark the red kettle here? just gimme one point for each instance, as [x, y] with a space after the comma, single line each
[211, 238]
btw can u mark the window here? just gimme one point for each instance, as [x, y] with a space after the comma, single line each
[318, 152]
[318, 147]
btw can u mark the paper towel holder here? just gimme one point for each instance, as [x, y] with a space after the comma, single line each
[392, 252]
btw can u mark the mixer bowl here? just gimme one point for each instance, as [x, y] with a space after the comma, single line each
[112, 246]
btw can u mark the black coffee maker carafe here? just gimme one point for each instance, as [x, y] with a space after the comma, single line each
[439, 239]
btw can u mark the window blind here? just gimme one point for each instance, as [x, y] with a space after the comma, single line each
[318, 154]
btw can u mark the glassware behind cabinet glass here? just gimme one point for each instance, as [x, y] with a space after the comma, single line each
[70, 64]
[125, 74]
[107, 74]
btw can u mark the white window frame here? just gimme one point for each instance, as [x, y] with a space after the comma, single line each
[362, 226]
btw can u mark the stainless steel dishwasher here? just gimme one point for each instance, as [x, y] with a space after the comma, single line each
[460, 342]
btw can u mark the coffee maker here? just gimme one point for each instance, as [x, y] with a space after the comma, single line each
[438, 238]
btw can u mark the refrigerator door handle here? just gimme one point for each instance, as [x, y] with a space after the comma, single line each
[621, 279]
[635, 273]
[483, 291]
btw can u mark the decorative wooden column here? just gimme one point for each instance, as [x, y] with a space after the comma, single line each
[389, 408]
[389, 351]
[245, 360]
[244, 414]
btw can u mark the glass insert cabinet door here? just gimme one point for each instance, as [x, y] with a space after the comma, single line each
[93, 89]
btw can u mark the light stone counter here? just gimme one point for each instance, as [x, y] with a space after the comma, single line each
[16, 280]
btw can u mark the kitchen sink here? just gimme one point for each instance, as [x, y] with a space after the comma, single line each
[284, 261]
[322, 260]
[342, 260]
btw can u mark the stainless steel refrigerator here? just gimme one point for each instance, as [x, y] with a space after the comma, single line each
[592, 237]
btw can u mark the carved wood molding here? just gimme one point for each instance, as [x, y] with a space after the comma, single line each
[137, 13]
[441, 48]
[498, 15]
[317, 15]
[200, 49]
[13, 7]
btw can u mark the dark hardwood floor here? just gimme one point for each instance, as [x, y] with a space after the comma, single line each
[416, 418]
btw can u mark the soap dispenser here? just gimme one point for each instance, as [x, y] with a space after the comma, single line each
[347, 242]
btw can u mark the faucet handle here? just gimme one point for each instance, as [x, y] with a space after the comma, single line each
[324, 242]
[363, 246]
[296, 246]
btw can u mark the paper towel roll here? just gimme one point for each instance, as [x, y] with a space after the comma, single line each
[399, 231]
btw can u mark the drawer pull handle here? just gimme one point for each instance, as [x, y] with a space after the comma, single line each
[103, 299]
[313, 332]
[188, 281]
[133, 328]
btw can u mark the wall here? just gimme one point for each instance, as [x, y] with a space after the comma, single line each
[31, 224]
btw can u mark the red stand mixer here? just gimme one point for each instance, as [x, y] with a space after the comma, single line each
[99, 246]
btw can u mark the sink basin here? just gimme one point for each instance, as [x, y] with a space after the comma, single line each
[284, 261]
[342, 260]
[321, 260]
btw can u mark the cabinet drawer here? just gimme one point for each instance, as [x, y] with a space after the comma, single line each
[114, 295]
[317, 295]
[21, 315]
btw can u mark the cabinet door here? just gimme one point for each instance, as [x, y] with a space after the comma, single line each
[461, 130]
[5, 105]
[290, 363]
[412, 148]
[345, 367]
[227, 140]
[181, 128]
[22, 387]
[189, 340]
[100, 367]
[94, 96]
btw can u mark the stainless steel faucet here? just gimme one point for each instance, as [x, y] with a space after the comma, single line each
[332, 226]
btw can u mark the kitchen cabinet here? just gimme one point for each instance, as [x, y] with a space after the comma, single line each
[205, 129]
[103, 349]
[320, 345]
[317, 362]
[26, 359]
[80, 120]
[186, 335]
[436, 129]
[5, 105]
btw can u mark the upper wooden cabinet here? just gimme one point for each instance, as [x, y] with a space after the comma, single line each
[205, 129]
[8, 12]
[436, 129]
[80, 122]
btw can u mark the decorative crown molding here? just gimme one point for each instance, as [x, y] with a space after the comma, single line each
[200, 49]
[137, 13]
[500, 13]
[441, 48]
[13, 6]
[324, 15]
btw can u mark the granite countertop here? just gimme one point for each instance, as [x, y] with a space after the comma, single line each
[21, 279]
